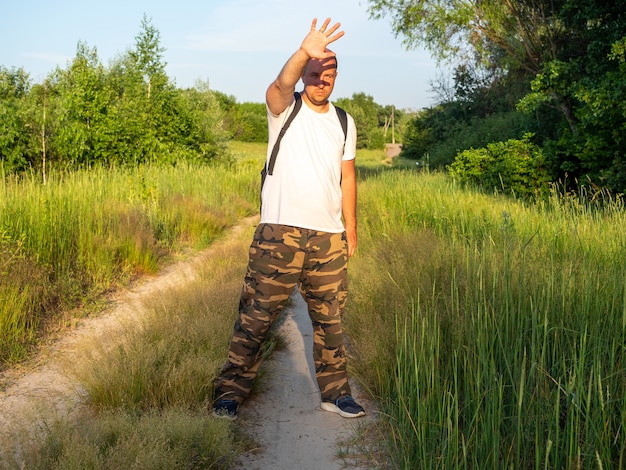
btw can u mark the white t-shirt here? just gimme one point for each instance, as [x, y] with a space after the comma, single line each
[305, 187]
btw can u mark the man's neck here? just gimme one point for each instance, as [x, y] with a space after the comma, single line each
[317, 107]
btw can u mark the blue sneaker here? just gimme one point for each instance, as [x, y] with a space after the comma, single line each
[226, 409]
[344, 406]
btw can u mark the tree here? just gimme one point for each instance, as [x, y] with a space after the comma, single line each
[251, 122]
[14, 87]
[145, 119]
[369, 118]
[562, 46]
[83, 100]
[204, 117]
[504, 37]
[148, 55]
[517, 33]
[246, 122]
[585, 82]
[88, 114]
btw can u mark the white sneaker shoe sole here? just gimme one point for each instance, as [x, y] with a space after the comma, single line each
[327, 406]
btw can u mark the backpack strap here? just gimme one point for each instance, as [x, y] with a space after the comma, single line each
[296, 108]
[343, 119]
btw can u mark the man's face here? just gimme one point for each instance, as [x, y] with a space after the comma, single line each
[319, 80]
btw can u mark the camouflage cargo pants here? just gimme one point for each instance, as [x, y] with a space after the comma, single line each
[280, 258]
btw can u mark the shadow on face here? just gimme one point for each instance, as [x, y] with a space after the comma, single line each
[319, 79]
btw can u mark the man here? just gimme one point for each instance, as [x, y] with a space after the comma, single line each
[306, 233]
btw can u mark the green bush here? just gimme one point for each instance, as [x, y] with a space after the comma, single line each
[513, 167]
[376, 139]
[442, 136]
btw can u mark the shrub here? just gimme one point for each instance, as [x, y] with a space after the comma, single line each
[442, 134]
[514, 167]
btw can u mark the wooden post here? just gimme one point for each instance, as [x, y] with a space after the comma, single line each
[393, 126]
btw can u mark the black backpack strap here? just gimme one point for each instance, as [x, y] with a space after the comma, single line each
[343, 119]
[296, 108]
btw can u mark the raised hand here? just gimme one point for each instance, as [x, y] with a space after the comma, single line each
[315, 43]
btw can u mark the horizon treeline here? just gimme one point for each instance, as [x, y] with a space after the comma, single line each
[127, 113]
[130, 112]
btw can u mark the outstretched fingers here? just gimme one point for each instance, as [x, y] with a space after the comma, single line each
[330, 37]
[333, 28]
[324, 25]
[316, 42]
[329, 33]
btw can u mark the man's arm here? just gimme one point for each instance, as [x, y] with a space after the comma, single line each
[348, 203]
[280, 92]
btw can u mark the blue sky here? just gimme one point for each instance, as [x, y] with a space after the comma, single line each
[238, 46]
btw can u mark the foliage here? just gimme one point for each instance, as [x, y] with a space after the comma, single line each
[372, 120]
[14, 87]
[564, 54]
[127, 113]
[591, 146]
[244, 122]
[514, 167]
[517, 34]
[202, 133]
[434, 135]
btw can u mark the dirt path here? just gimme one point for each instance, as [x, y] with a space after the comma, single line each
[291, 430]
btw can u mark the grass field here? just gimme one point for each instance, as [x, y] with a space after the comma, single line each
[63, 244]
[491, 331]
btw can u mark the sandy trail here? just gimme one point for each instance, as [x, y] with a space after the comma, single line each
[284, 417]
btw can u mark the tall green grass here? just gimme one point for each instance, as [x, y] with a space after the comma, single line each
[493, 331]
[84, 232]
[147, 383]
